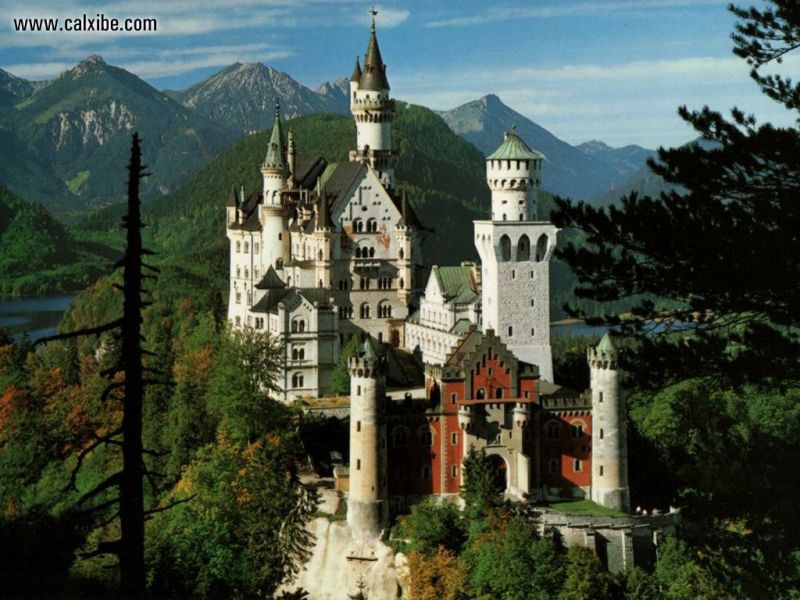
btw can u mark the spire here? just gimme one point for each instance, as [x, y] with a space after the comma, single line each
[276, 152]
[356, 76]
[374, 75]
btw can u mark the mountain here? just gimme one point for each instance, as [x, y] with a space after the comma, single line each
[626, 160]
[242, 97]
[39, 255]
[338, 91]
[567, 171]
[14, 89]
[77, 128]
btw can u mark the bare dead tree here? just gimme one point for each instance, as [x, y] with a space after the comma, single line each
[129, 481]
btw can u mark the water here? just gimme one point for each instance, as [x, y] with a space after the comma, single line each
[566, 330]
[37, 316]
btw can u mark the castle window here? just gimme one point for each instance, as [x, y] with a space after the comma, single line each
[523, 247]
[297, 380]
[454, 438]
[600, 396]
[358, 464]
[452, 398]
[426, 472]
[371, 252]
[238, 246]
[402, 283]
[358, 225]
[425, 436]
[255, 247]
[480, 394]
[280, 236]
[513, 274]
[358, 426]
[498, 393]
[553, 430]
[400, 437]
[246, 273]
[319, 255]
[279, 263]
[246, 247]
[601, 433]
[256, 272]
[372, 225]
[454, 471]
[521, 216]
[384, 310]
[238, 321]
[505, 247]
[510, 331]
[541, 248]
[364, 311]
[358, 252]
[577, 431]
[552, 466]
[250, 298]
[298, 326]
[601, 470]
[402, 253]
[533, 332]
[238, 271]
[504, 217]
[320, 283]
[577, 466]
[238, 297]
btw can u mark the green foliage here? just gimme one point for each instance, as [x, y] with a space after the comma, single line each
[585, 578]
[340, 378]
[240, 531]
[431, 525]
[509, 561]
[480, 490]
[38, 255]
[570, 367]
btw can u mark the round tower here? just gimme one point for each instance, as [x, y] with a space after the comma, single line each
[367, 509]
[273, 214]
[373, 112]
[514, 174]
[609, 439]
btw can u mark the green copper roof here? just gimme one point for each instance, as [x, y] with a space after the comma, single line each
[513, 148]
[276, 154]
[606, 344]
[367, 351]
[457, 284]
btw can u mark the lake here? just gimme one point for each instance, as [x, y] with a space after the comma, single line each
[37, 316]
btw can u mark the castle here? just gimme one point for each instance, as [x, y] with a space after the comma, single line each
[324, 251]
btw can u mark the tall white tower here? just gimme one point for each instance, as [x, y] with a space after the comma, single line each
[273, 214]
[373, 112]
[609, 439]
[515, 253]
[367, 509]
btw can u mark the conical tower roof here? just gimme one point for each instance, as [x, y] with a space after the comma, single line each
[514, 148]
[374, 76]
[356, 76]
[276, 153]
[606, 344]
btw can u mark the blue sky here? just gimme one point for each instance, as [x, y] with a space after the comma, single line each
[613, 70]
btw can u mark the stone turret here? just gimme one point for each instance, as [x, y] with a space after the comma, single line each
[373, 112]
[275, 169]
[367, 508]
[514, 174]
[609, 440]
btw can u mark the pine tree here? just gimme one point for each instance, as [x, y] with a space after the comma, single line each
[713, 266]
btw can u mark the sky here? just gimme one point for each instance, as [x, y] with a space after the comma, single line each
[613, 70]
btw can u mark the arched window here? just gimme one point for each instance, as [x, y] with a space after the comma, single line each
[371, 252]
[279, 263]
[553, 430]
[384, 310]
[402, 283]
[577, 430]
[480, 394]
[577, 466]
[425, 436]
[426, 472]
[246, 247]
[400, 437]
[298, 326]
[358, 226]
[364, 311]
[297, 380]
[319, 254]
[238, 246]
[498, 393]
[505, 248]
[541, 248]
[358, 252]
[372, 225]
[524, 248]
[510, 331]
[552, 466]
[402, 253]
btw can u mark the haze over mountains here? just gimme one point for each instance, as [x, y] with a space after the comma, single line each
[62, 142]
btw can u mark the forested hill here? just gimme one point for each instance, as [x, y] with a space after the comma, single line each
[38, 254]
[443, 174]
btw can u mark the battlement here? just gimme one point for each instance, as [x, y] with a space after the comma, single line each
[601, 359]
